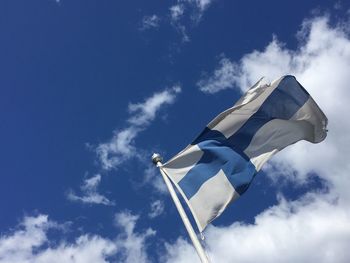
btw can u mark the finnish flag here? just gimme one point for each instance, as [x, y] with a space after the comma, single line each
[219, 165]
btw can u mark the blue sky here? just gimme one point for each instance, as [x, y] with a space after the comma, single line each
[90, 89]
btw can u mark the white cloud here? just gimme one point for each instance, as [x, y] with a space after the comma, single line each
[24, 245]
[182, 31]
[30, 243]
[150, 22]
[176, 11]
[180, 13]
[122, 147]
[315, 227]
[119, 149]
[90, 194]
[145, 112]
[312, 229]
[223, 77]
[133, 244]
[157, 208]
[153, 177]
[184, 9]
[201, 5]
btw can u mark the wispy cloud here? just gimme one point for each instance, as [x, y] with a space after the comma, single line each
[200, 6]
[157, 208]
[182, 14]
[153, 177]
[132, 244]
[196, 7]
[176, 11]
[184, 10]
[225, 76]
[121, 147]
[149, 22]
[297, 227]
[89, 193]
[29, 242]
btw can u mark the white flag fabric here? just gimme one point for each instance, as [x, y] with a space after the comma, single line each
[219, 165]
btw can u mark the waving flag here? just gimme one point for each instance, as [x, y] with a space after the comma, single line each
[219, 165]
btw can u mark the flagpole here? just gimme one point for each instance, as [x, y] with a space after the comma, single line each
[157, 160]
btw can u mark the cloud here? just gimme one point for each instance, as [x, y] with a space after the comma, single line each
[121, 147]
[201, 5]
[184, 9]
[89, 193]
[144, 113]
[183, 13]
[195, 8]
[311, 229]
[153, 177]
[315, 227]
[132, 245]
[223, 77]
[157, 208]
[29, 242]
[149, 22]
[176, 11]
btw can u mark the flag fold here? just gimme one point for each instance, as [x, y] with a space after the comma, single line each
[219, 165]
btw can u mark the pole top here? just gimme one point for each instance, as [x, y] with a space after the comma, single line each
[156, 157]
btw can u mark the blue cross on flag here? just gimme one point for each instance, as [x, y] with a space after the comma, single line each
[220, 164]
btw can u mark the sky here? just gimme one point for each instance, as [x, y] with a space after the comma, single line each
[90, 89]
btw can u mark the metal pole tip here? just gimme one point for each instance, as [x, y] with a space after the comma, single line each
[156, 158]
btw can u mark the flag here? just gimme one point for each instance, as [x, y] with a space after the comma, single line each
[220, 164]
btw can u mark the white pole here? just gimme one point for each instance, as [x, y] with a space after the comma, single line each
[156, 158]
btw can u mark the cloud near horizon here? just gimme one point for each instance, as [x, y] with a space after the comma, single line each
[29, 242]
